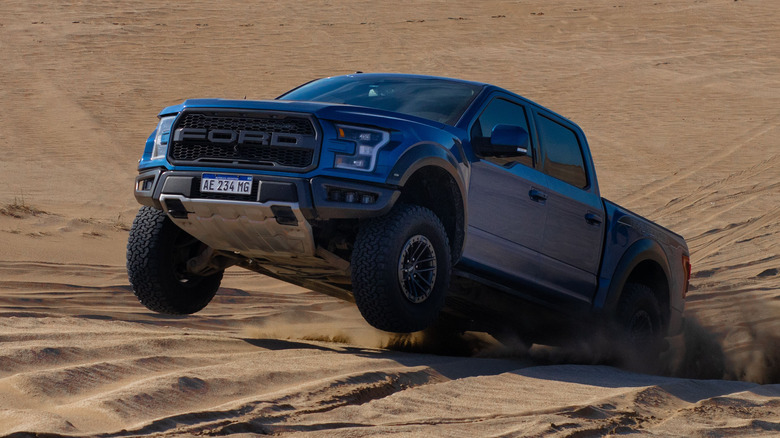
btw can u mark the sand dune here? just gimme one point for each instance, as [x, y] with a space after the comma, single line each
[681, 102]
[85, 359]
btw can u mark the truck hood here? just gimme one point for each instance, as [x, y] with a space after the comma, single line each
[322, 110]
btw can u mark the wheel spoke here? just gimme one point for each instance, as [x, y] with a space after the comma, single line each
[413, 287]
[421, 247]
[417, 268]
[420, 287]
[427, 283]
[422, 291]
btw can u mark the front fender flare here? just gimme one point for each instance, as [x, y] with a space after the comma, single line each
[430, 154]
[422, 155]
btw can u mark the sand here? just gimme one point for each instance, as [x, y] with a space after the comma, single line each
[681, 102]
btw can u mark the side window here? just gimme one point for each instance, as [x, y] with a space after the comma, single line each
[502, 112]
[562, 152]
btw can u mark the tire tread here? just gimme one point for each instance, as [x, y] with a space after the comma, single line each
[146, 252]
[373, 259]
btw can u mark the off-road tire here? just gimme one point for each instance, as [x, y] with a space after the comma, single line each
[376, 259]
[157, 252]
[640, 322]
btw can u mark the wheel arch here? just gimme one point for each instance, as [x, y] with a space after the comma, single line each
[643, 263]
[428, 176]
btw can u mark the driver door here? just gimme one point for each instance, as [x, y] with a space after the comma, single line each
[506, 219]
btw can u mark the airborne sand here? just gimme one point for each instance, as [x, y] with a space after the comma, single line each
[681, 102]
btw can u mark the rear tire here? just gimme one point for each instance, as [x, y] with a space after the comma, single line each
[641, 325]
[401, 268]
[157, 254]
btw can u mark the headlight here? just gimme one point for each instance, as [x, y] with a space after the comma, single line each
[162, 137]
[367, 144]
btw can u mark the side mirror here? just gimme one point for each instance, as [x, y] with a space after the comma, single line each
[506, 141]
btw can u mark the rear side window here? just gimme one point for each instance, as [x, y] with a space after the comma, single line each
[562, 152]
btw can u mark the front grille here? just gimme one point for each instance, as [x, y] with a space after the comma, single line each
[283, 141]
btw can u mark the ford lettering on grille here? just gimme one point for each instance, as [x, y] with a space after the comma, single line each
[228, 136]
[256, 139]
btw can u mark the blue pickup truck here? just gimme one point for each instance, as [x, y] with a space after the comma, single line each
[419, 198]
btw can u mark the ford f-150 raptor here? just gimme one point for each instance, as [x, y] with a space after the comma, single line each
[416, 197]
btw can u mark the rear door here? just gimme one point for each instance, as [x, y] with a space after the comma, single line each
[574, 230]
[506, 224]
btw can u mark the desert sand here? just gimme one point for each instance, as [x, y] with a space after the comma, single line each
[681, 102]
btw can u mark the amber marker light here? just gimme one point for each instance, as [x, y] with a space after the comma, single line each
[686, 261]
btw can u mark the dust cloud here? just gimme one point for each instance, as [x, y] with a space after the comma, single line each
[698, 353]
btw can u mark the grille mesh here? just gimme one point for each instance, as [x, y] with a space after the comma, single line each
[204, 151]
[287, 125]
[262, 155]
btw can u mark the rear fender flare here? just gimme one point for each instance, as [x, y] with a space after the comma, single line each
[640, 251]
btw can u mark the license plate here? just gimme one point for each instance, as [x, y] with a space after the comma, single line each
[233, 184]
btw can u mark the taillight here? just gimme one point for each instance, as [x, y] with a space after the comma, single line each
[686, 261]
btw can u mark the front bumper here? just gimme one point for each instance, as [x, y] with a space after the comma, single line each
[275, 220]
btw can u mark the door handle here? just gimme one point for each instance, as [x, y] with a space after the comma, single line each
[537, 196]
[593, 219]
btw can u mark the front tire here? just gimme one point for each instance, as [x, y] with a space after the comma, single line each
[157, 254]
[401, 269]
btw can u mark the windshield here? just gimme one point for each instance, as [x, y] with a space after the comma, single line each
[430, 98]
